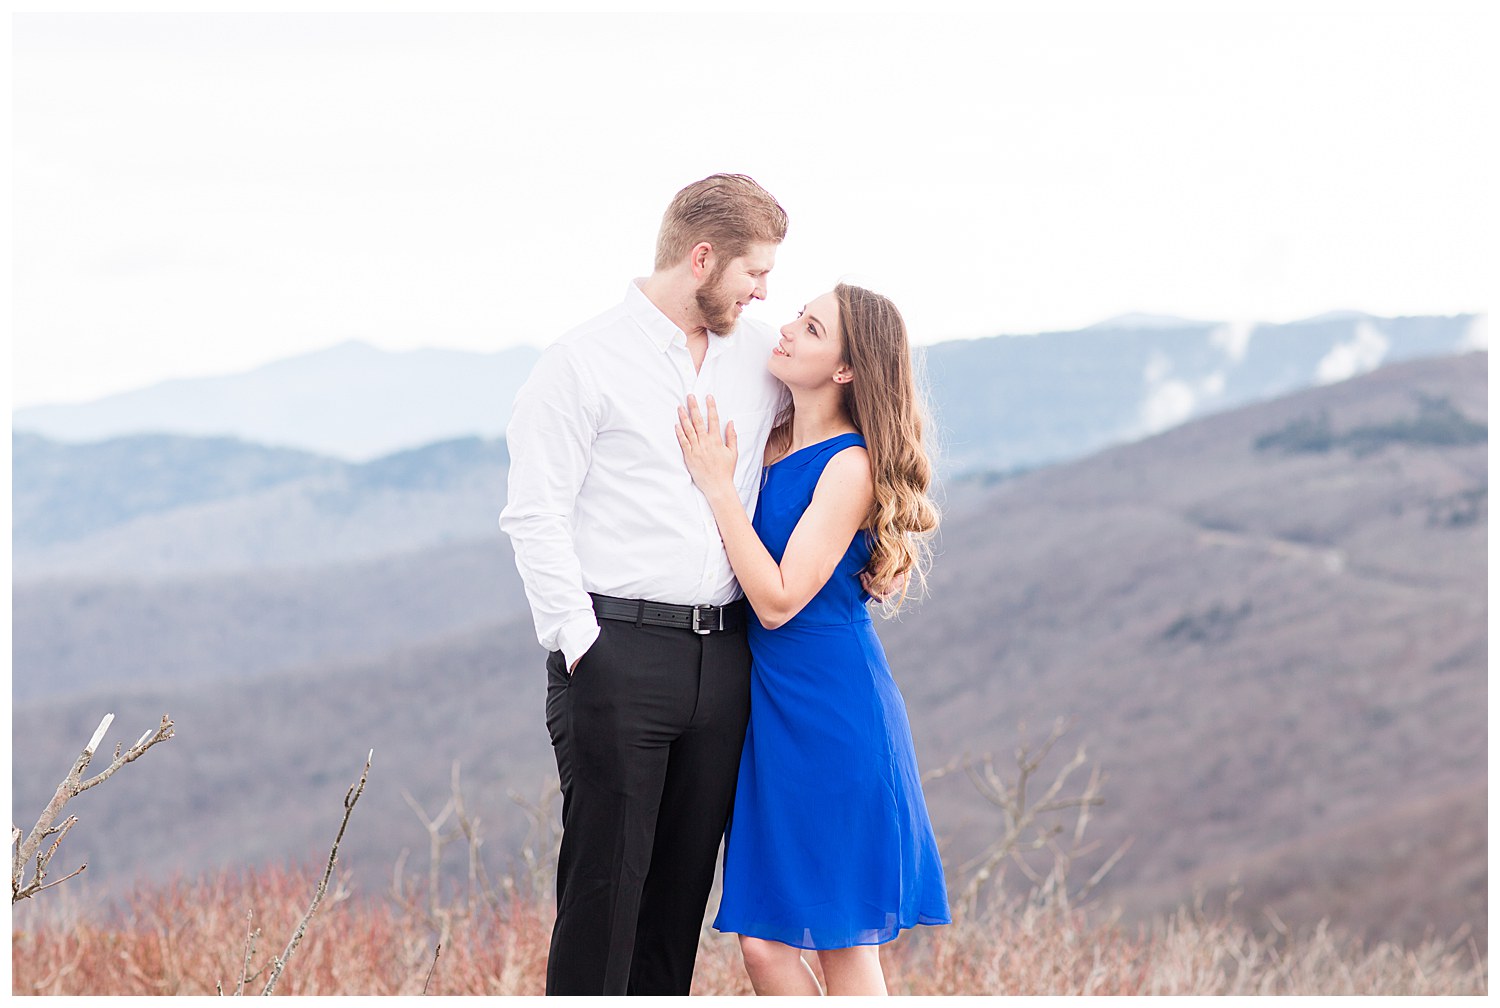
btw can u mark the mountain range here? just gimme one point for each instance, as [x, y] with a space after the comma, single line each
[351, 401]
[1268, 626]
[1001, 403]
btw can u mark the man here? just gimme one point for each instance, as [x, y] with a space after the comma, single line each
[632, 593]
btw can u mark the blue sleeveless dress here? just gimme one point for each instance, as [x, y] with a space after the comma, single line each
[829, 845]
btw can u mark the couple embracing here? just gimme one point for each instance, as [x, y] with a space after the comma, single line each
[707, 668]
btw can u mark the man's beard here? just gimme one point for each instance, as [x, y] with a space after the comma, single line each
[718, 308]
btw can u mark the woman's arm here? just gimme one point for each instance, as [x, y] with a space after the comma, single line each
[840, 504]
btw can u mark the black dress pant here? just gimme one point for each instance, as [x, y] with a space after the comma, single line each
[647, 733]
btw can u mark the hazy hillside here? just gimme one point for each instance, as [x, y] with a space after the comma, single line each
[62, 493]
[1269, 626]
[1002, 403]
[161, 507]
[349, 561]
[1276, 653]
[1019, 401]
[353, 401]
[75, 634]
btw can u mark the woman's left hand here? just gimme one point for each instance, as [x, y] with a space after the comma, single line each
[709, 460]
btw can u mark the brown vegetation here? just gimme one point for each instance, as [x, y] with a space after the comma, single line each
[188, 938]
[490, 937]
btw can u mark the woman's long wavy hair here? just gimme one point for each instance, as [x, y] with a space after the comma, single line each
[884, 402]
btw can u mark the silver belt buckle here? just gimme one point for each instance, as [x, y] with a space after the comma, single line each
[698, 611]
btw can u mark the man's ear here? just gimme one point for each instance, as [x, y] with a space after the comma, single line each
[843, 375]
[701, 260]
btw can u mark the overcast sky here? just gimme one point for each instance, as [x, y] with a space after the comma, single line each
[201, 194]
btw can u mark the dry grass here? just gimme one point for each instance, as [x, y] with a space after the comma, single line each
[489, 937]
[191, 938]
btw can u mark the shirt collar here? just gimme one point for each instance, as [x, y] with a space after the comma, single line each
[660, 330]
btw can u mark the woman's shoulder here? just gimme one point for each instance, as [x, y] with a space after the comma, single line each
[848, 466]
[839, 447]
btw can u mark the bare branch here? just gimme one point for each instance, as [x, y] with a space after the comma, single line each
[435, 953]
[93, 745]
[398, 874]
[543, 835]
[957, 763]
[135, 752]
[1104, 869]
[250, 936]
[72, 874]
[350, 799]
[436, 841]
[22, 851]
[478, 877]
[1025, 826]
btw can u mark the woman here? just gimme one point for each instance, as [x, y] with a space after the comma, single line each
[829, 845]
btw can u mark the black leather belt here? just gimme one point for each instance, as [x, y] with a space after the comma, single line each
[703, 619]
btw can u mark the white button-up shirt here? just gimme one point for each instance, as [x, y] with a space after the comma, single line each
[600, 499]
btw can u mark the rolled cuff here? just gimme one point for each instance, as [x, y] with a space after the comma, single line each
[576, 637]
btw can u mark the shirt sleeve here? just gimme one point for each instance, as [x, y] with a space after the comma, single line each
[550, 438]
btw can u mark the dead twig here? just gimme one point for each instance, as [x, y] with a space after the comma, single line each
[251, 934]
[436, 841]
[466, 827]
[539, 851]
[478, 878]
[435, 953]
[1028, 826]
[350, 798]
[73, 785]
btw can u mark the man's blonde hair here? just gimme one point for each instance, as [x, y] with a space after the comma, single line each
[730, 212]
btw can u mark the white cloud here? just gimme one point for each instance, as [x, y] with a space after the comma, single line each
[1477, 337]
[1167, 405]
[1362, 353]
[1157, 368]
[1233, 338]
[1169, 401]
